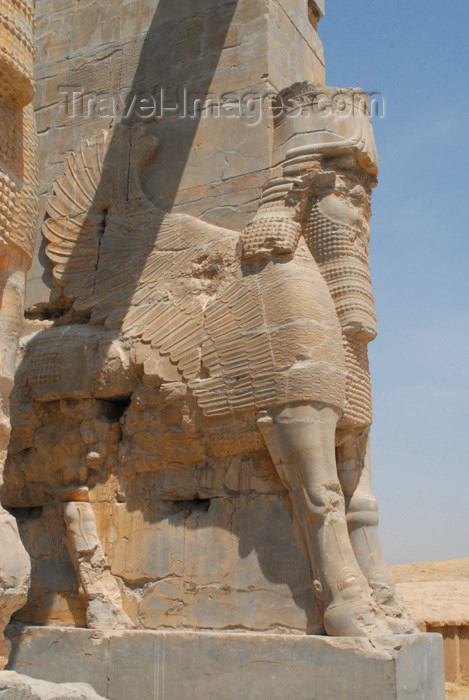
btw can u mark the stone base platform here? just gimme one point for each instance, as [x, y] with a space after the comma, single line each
[14, 686]
[146, 665]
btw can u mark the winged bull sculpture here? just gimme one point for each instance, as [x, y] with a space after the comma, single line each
[271, 324]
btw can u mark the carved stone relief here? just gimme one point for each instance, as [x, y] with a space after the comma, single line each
[264, 333]
[18, 214]
[192, 400]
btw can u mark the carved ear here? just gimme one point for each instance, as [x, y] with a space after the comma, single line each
[143, 147]
[315, 10]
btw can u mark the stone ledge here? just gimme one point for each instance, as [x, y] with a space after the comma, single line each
[156, 665]
[14, 686]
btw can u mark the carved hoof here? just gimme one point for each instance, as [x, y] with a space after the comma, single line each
[391, 604]
[358, 618]
[103, 614]
[342, 620]
[401, 624]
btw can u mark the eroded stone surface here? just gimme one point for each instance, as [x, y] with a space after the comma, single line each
[225, 666]
[15, 686]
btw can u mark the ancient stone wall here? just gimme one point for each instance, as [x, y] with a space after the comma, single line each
[18, 213]
[97, 58]
[168, 498]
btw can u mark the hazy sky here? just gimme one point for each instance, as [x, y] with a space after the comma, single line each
[416, 55]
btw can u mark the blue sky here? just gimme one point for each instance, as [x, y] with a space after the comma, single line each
[417, 56]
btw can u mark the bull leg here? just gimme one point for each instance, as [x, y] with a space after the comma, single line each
[301, 441]
[104, 602]
[354, 468]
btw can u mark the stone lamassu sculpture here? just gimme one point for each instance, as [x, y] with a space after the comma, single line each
[268, 328]
[18, 212]
[329, 166]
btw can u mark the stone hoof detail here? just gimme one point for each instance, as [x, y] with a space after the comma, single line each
[391, 604]
[105, 612]
[358, 617]
[104, 602]
[353, 612]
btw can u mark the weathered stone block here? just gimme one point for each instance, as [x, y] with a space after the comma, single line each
[61, 655]
[229, 666]
[14, 686]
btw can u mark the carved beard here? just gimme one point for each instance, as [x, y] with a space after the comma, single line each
[340, 247]
[19, 178]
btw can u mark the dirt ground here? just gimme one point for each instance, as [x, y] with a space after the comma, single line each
[457, 692]
[438, 591]
[451, 570]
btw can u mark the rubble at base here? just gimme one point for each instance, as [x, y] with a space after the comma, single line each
[16, 686]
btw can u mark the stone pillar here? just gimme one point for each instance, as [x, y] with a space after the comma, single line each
[18, 214]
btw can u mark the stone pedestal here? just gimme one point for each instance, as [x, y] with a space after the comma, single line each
[145, 665]
[14, 686]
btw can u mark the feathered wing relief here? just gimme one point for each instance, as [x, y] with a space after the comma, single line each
[76, 219]
[243, 340]
[271, 338]
[236, 354]
[120, 259]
